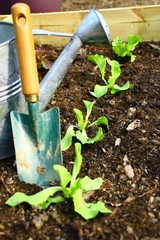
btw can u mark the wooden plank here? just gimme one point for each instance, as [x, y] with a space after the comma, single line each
[67, 22]
[143, 20]
[138, 20]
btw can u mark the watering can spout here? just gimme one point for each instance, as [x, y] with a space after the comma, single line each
[93, 30]
[57, 72]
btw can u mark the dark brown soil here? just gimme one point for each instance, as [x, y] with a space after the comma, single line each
[135, 201]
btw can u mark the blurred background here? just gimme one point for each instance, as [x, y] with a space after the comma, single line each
[38, 6]
[72, 5]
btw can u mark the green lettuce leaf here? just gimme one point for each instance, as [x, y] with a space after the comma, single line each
[66, 142]
[133, 41]
[100, 121]
[35, 199]
[65, 176]
[88, 105]
[100, 61]
[88, 210]
[88, 184]
[82, 136]
[77, 162]
[50, 200]
[79, 115]
[99, 91]
[117, 88]
[99, 137]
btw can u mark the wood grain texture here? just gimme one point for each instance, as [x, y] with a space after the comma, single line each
[143, 20]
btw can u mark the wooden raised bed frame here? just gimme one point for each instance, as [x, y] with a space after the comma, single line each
[143, 20]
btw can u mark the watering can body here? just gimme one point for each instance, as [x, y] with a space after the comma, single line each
[93, 30]
[10, 87]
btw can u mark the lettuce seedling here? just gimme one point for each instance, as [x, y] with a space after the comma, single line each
[43, 59]
[79, 131]
[72, 188]
[125, 49]
[99, 90]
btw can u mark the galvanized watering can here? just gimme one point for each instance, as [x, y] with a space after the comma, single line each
[93, 30]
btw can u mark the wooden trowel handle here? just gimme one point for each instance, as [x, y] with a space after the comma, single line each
[25, 50]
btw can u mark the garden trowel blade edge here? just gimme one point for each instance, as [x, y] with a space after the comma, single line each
[37, 146]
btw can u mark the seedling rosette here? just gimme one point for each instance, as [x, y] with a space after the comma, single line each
[100, 90]
[79, 131]
[72, 188]
[125, 49]
[43, 58]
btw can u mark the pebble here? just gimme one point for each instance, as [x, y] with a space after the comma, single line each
[82, 51]
[135, 124]
[143, 131]
[129, 230]
[53, 102]
[144, 103]
[134, 185]
[117, 142]
[129, 171]
[104, 150]
[127, 167]
[146, 117]
[112, 102]
[151, 215]
[9, 181]
[131, 112]
[118, 204]
[151, 199]
[39, 220]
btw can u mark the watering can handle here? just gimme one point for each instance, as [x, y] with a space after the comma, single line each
[25, 51]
